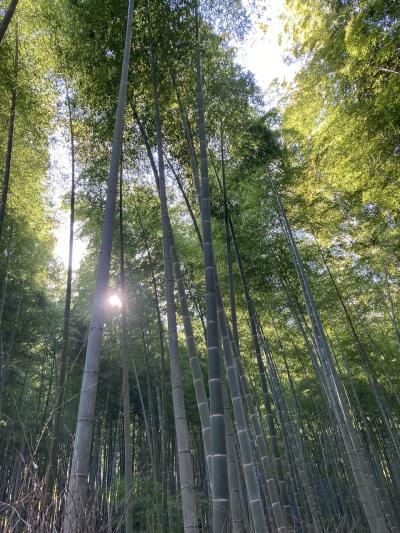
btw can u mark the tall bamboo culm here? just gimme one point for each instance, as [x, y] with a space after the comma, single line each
[185, 460]
[128, 478]
[76, 496]
[219, 470]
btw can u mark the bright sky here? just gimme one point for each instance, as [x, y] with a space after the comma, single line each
[261, 53]
[61, 178]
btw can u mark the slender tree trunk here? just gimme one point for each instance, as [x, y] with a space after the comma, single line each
[10, 141]
[74, 519]
[189, 140]
[238, 522]
[392, 311]
[185, 461]
[219, 471]
[187, 202]
[151, 417]
[228, 235]
[5, 21]
[125, 376]
[144, 412]
[163, 511]
[58, 406]
[198, 382]
[6, 273]
[2, 301]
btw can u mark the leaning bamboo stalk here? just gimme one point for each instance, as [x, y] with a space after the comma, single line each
[76, 498]
[5, 21]
[372, 508]
[128, 479]
[238, 523]
[10, 139]
[189, 505]
[219, 473]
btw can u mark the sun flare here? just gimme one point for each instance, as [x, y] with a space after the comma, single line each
[115, 300]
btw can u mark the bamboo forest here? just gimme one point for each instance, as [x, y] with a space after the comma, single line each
[199, 270]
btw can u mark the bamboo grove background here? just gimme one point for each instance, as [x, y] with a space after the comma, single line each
[248, 377]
